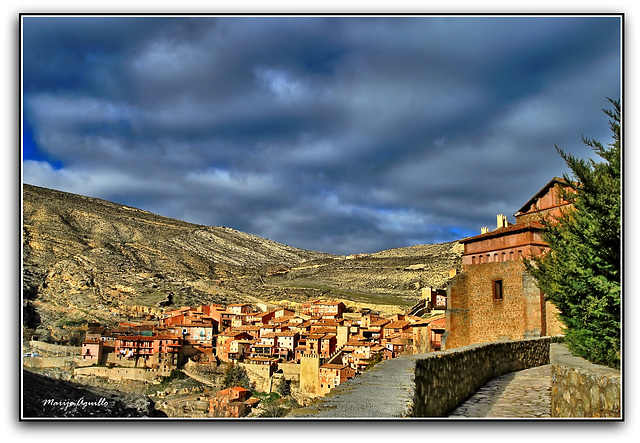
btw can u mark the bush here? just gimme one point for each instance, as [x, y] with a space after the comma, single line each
[284, 387]
[236, 375]
[273, 410]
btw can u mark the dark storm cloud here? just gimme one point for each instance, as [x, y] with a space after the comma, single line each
[337, 134]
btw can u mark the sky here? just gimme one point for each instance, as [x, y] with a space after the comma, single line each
[336, 134]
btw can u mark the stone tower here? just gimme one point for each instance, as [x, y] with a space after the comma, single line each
[310, 373]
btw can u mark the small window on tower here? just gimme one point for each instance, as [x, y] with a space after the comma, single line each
[497, 289]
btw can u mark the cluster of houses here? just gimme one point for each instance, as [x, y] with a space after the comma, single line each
[282, 335]
[346, 342]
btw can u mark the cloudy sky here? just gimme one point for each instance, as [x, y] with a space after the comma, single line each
[337, 134]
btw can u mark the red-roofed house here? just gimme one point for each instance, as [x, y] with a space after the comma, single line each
[92, 350]
[283, 312]
[150, 351]
[374, 328]
[322, 344]
[230, 402]
[331, 375]
[323, 308]
[400, 327]
[358, 353]
[427, 334]
[230, 345]
[240, 308]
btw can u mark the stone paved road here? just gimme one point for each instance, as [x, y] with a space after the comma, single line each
[521, 394]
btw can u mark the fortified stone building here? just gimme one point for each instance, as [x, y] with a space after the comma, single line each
[494, 298]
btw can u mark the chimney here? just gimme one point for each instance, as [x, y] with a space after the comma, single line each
[484, 230]
[502, 221]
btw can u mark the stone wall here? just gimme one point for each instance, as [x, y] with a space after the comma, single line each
[445, 379]
[583, 389]
[51, 349]
[427, 385]
[475, 316]
[290, 371]
[260, 376]
[140, 374]
[66, 362]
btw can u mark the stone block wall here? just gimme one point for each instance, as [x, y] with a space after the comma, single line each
[583, 389]
[140, 374]
[474, 316]
[291, 371]
[260, 376]
[54, 362]
[445, 379]
[51, 349]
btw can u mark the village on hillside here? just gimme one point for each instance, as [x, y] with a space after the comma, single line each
[315, 346]
[319, 344]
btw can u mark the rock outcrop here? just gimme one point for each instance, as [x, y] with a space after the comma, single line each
[46, 397]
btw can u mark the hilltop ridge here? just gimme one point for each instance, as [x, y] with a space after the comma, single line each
[87, 259]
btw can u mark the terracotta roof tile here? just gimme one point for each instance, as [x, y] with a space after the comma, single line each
[502, 231]
[333, 366]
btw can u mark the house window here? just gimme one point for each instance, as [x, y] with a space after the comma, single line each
[497, 289]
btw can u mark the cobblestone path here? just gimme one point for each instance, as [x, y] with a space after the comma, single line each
[521, 394]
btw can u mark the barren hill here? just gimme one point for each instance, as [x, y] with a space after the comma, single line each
[89, 259]
[392, 277]
[83, 256]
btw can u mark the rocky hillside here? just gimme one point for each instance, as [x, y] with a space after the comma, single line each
[48, 397]
[84, 257]
[394, 276]
[90, 259]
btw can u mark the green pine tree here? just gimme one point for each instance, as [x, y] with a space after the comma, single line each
[581, 272]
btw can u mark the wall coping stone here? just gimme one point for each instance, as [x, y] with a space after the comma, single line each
[560, 355]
